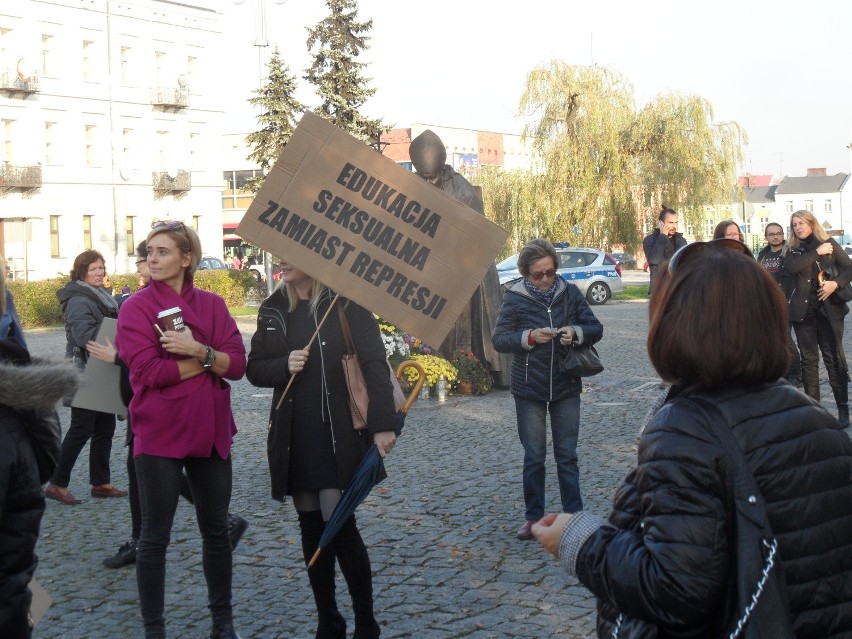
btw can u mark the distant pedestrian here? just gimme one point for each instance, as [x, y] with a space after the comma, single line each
[542, 315]
[660, 245]
[816, 311]
[689, 550]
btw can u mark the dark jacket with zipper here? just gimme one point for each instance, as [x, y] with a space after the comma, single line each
[267, 367]
[802, 264]
[83, 312]
[535, 372]
[668, 556]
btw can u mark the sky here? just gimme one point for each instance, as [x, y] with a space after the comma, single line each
[779, 68]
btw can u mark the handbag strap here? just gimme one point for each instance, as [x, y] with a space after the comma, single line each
[347, 335]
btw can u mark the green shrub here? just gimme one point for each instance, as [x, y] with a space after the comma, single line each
[37, 304]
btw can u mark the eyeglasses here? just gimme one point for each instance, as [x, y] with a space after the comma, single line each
[140, 261]
[780, 234]
[162, 224]
[539, 275]
[683, 255]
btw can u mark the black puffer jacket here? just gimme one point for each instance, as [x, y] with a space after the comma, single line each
[669, 559]
[28, 393]
[534, 372]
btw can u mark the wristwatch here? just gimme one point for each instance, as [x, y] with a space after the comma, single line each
[209, 357]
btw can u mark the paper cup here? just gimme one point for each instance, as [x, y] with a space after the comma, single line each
[171, 319]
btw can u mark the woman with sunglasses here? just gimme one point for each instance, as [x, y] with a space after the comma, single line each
[815, 310]
[182, 419]
[541, 314]
[672, 559]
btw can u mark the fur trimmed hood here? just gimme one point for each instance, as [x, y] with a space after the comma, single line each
[37, 386]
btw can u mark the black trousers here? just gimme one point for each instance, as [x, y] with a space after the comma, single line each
[86, 424]
[159, 488]
[815, 335]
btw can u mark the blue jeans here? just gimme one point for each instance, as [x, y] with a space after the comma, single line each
[565, 427]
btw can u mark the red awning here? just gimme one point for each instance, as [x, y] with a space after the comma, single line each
[232, 238]
[230, 226]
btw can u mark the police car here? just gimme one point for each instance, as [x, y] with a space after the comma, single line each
[597, 274]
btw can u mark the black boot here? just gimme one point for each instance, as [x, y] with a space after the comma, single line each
[840, 388]
[330, 623]
[224, 631]
[355, 566]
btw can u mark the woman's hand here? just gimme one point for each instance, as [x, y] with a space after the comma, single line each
[104, 353]
[566, 335]
[182, 343]
[548, 531]
[385, 441]
[824, 249]
[543, 335]
[828, 287]
[296, 361]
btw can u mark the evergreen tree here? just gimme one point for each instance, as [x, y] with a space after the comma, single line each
[281, 112]
[335, 43]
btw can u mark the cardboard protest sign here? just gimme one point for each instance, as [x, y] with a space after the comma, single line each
[100, 387]
[364, 226]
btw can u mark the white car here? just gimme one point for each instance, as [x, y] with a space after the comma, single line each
[597, 274]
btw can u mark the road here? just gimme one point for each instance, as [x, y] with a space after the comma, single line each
[440, 529]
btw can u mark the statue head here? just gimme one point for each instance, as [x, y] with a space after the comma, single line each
[428, 156]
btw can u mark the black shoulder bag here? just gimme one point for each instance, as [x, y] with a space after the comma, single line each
[578, 360]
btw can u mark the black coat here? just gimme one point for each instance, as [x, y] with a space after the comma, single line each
[83, 311]
[658, 247]
[800, 263]
[669, 559]
[28, 396]
[535, 374]
[267, 367]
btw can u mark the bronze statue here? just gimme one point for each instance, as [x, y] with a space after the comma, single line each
[473, 328]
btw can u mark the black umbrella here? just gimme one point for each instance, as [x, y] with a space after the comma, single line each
[368, 470]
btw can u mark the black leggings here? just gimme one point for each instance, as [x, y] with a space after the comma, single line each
[159, 487]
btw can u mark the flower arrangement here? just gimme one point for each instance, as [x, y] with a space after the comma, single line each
[433, 366]
[396, 344]
[469, 368]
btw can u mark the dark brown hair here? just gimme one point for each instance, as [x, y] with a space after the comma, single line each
[703, 331]
[82, 263]
[535, 250]
[664, 211]
[722, 226]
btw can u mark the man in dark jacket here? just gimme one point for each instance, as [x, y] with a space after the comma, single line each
[772, 257]
[660, 245]
[29, 444]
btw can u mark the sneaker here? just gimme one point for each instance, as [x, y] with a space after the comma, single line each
[125, 556]
[236, 527]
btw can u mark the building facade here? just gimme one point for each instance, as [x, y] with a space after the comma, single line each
[108, 122]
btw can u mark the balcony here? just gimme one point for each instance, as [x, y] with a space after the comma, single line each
[170, 97]
[165, 183]
[19, 178]
[13, 82]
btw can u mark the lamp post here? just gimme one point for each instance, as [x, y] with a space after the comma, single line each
[261, 42]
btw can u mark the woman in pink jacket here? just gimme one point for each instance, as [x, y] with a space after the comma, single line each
[181, 418]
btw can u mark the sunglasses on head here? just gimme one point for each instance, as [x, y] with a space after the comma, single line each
[162, 224]
[540, 275]
[683, 255]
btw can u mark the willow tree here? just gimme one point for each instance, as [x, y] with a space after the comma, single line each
[603, 166]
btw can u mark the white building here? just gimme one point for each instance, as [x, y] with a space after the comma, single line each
[826, 196]
[108, 121]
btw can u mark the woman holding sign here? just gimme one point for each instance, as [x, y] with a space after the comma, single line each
[181, 416]
[313, 448]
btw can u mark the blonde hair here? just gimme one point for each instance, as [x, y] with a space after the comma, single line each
[317, 290]
[808, 218]
[184, 237]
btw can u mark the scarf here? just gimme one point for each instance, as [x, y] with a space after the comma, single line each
[546, 296]
[106, 299]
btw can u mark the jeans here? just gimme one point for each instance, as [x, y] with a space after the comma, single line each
[565, 427]
[86, 424]
[159, 487]
[815, 335]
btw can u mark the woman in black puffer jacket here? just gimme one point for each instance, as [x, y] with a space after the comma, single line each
[816, 310]
[541, 315]
[666, 562]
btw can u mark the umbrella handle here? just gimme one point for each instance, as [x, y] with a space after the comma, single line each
[315, 557]
[410, 363]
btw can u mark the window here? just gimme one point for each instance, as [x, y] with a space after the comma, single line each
[827, 206]
[809, 205]
[160, 67]
[196, 221]
[131, 238]
[87, 232]
[190, 68]
[54, 236]
[50, 142]
[124, 65]
[690, 229]
[789, 206]
[763, 222]
[194, 155]
[87, 59]
[162, 145]
[7, 156]
[126, 146]
[90, 144]
[46, 54]
[709, 227]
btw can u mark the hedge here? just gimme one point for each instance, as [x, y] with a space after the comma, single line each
[37, 304]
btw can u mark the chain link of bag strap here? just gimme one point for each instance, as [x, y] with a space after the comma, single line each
[767, 568]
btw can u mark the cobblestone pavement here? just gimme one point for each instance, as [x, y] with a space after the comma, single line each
[440, 529]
